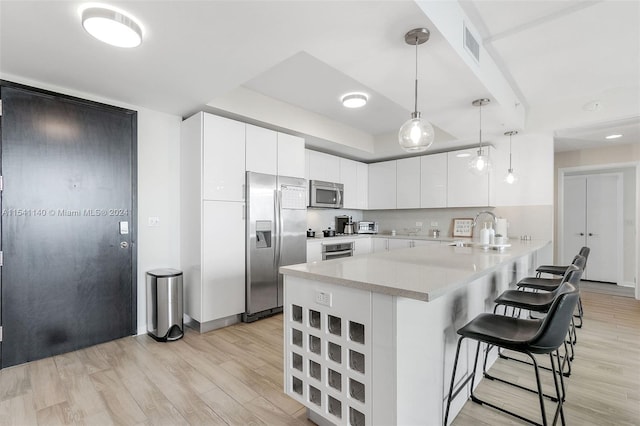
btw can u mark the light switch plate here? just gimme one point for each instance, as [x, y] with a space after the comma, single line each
[153, 221]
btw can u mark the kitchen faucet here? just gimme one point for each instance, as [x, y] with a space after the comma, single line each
[475, 221]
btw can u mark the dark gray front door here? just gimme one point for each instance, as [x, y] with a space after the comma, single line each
[68, 277]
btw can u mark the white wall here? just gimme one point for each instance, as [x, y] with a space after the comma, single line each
[158, 196]
[158, 187]
[532, 162]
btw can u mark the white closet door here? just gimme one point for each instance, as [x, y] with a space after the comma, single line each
[574, 217]
[593, 217]
[603, 228]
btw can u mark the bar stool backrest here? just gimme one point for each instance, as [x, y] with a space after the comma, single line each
[572, 275]
[553, 329]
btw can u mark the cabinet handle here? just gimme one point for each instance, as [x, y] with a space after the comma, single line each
[581, 234]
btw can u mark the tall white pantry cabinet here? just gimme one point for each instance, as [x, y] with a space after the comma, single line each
[212, 219]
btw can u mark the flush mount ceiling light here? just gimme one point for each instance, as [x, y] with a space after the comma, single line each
[510, 178]
[616, 136]
[416, 135]
[112, 26]
[480, 164]
[354, 100]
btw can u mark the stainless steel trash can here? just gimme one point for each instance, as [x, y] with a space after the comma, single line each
[164, 304]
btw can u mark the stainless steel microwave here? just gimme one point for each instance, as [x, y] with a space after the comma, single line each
[325, 194]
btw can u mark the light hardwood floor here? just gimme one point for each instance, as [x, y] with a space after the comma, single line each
[234, 376]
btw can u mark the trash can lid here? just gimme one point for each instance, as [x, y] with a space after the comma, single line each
[166, 272]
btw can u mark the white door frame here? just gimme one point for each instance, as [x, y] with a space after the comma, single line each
[598, 167]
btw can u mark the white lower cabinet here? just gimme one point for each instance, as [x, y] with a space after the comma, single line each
[418, 243]
[314, 251]
[379, 244]
[362, 246]
[397, 243]
[223, 266]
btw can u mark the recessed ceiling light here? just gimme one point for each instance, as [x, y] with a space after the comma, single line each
[616, 136]
[593, 106]
[354, 100]
[111, 25]
[463, 155]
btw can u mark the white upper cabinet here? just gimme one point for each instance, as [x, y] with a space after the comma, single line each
[223, 174]
[274, 153]
[324, 167]
[408, 183]
[363, 186]
[433, 181]
[382, 185]
[291, 155]
[349, 178]
[262, 150]
[464, 188]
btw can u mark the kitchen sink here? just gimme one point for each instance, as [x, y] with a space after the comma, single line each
[462, 244]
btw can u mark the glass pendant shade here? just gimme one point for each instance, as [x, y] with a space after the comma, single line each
[416, 135]
[510, 178]
[480, 164]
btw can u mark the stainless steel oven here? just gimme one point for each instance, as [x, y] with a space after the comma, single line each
[337, 250]
[325, 194]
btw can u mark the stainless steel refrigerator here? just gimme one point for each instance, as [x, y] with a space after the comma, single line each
[276, 236]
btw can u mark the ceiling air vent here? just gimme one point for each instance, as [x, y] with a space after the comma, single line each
[471, 44]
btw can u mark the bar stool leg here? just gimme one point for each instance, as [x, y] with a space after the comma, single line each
[453, 378]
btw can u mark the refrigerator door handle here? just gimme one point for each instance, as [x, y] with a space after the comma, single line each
[279, 228]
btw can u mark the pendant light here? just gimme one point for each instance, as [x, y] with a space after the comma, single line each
[416, 134]
[510, 178]
[480, 165]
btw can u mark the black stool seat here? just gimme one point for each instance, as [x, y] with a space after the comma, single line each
[546, 284]
[538, 302]
[552, 269]
[506, 332]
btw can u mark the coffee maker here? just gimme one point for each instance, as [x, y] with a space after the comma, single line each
[344, 225]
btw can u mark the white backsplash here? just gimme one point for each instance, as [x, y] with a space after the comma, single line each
[321, 219]
[533, 221]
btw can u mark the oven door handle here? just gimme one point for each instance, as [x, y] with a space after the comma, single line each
[337, 253]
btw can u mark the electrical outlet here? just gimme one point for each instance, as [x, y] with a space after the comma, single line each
[153, 221]
[434, 223]
[323, 298]
[418, 224]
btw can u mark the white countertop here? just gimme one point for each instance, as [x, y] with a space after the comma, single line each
[422, 273]
[397, 236]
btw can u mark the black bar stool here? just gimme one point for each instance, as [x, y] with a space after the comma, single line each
[538, 302]
[549, 284]
[527, 336]
[560, 270]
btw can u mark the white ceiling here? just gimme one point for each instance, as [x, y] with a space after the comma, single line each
[557, 56]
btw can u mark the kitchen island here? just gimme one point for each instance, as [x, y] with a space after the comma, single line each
[370, 339]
